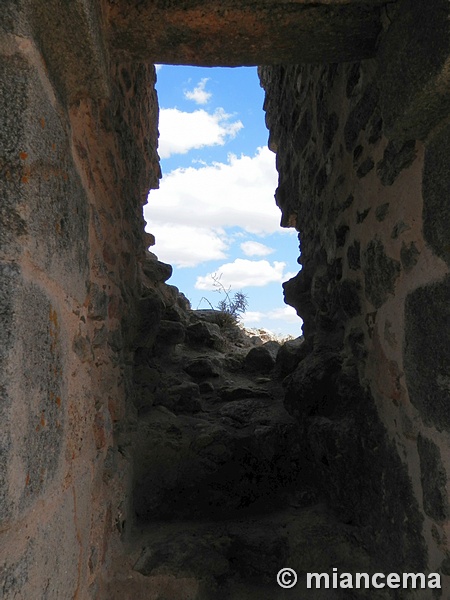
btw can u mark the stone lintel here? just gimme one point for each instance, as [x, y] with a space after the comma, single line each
[232, 33]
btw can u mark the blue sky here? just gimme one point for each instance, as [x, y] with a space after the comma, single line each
[215, 211]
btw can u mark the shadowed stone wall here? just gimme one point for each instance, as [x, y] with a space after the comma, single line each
[371, 208]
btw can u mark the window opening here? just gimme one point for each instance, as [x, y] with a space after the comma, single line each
[214, 217]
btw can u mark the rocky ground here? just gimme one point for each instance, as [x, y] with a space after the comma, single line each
[223, 496]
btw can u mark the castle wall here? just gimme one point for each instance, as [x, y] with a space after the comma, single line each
[370, 202]
[77, 159]
[362, 152]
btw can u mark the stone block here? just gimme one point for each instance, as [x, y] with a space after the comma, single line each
[31, 381]
[289, 356]
[262, 358]
[382, 211]
[365, 167]
[181, 398]
[202, 368]
[409, 256]
[434, 480]
[350, 297]
[70, 38]
[426, 352]
[43, 202]
[312, 386]
[231, 393]
[47, 564]
[380, 273]
[397, 156]
[170, 333]
[354, 256]
[435, 191]
[97, 303]
[205, 334]
[265, 33]
[156, 270]
[360, 115]
[149, 313]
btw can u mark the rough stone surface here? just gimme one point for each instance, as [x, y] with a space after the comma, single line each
[409, 256]
[427, 340]
[380, 273]
[354, 256]
[228, 33]
[112, 418]
[201, 368]
[170, 333]
[234, 558]
[74, 175]
[347, 389]
[349, 296]
[289, 355]
[434, 480]
[68, 38]
[156, 270]
[205, 334]
[262, 358]
[415, 94]
[396, 158]
[436, 186]
[37, 164]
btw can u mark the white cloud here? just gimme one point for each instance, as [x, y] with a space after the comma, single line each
[255, 249]
[183, 131]
[185, 246]
[158, 68]
[253, 316]
[238, 193]
[285, 313]
[199, 95]
[243, 273]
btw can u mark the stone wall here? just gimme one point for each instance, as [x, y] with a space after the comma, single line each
[75, 170]
[372, 394]
[362, 152]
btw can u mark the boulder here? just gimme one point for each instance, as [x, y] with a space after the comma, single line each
[288, 357]
[202, 368]
[156, 270]
[206, 335]
[262, 358]
[150, 309]
[181, 398]
[170, 333]
[229, 393]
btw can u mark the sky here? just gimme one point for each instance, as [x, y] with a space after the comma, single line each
[214, 215]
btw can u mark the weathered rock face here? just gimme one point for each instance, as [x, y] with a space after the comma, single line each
[371, 215]
[213, 450]
[74, 177]
[115, 405]
[244, 32]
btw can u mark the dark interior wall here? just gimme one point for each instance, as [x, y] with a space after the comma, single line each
[370, 393]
